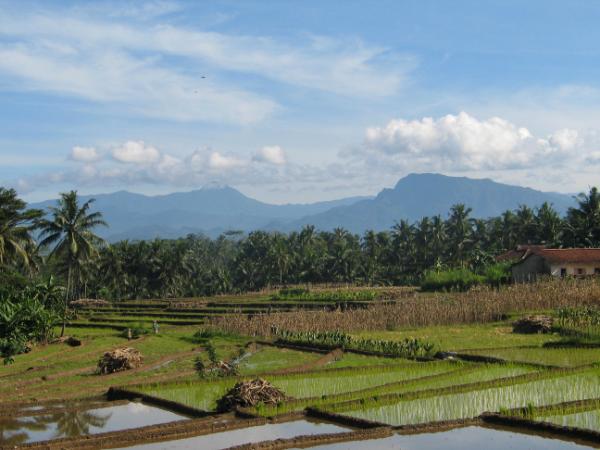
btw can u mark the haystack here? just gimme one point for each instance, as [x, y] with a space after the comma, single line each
[250, 393]
[533, 325]
[119, 360]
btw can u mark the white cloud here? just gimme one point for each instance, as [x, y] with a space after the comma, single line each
[464, 143]
[84, 154]
[218, 161]
[271, 155]
[136, 152]
[154, 69]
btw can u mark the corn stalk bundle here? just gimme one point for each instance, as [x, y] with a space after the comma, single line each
[247, 394]
[533, 324]
[119, 360]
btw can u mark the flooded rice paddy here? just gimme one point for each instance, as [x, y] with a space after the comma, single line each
[247, 435]
[459, 439]
[80, 422]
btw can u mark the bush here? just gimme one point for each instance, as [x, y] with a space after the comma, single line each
[23, 321]
[498, 274]
[451, 280]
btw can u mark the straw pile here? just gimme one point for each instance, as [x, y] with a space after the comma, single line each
[533, 325]
[250, 393]
[119, 360]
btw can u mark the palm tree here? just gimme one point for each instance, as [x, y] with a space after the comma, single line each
[584, 221]
[459, 231]
[16, 226]
[70, 233]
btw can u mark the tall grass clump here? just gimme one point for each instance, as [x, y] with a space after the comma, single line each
[407, 348]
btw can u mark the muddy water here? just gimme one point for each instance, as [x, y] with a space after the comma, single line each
[227, 439]
[70, 423]
[469, 438]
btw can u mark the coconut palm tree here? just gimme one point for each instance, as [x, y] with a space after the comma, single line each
[70, 234]
[584, 221]
[16, 226]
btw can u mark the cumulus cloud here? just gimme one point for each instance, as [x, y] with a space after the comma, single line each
[84, 154]
[271, 155]
[135, 163]
[465, 143]
[136, 152]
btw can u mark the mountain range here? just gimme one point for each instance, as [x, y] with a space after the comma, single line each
[213, 210]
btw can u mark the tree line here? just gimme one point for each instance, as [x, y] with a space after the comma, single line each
[62, 242]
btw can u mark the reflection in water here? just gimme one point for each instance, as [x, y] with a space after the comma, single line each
[19, 430]
[73, 423]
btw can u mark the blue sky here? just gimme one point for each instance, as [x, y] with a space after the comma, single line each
[296, 100]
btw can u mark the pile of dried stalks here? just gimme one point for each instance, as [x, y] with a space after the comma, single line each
[250, 393]
[89, 303]
[533, 325]
[119, 360]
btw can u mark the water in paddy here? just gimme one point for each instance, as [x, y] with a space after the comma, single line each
[260, 433]
[470, 438]
[70, 423]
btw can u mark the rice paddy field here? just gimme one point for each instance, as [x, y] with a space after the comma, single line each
[473, 367]
[560, 357]
[589, 420]
[471, 404]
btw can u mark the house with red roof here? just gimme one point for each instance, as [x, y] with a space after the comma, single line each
[533, 261]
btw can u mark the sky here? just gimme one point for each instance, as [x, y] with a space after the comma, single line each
[296, 101]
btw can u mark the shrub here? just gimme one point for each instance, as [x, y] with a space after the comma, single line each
[498, 274]
[451, 280]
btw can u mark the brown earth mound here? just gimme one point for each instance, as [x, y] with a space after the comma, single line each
[533, 325]
[250, 393]
[119, 360]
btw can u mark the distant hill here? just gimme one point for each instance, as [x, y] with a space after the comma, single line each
[216, 209]
[210, 210]
[419, 195]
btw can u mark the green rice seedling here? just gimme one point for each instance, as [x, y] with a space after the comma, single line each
[450, 406]
[589, 420]
[554, 356]
[460, 374]
[336, 382]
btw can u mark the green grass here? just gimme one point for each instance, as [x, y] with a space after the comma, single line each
[562, 357]
[463, 337]
[200, 395]
[470, 404]
[356, 360]
[270, 359]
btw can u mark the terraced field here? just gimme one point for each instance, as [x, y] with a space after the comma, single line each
[480, 369]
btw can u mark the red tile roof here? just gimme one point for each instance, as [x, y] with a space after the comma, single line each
[552, 255]
[570, 255]
[521, 252]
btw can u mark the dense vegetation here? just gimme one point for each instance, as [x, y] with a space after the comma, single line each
[455, 253]
[197, 265]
